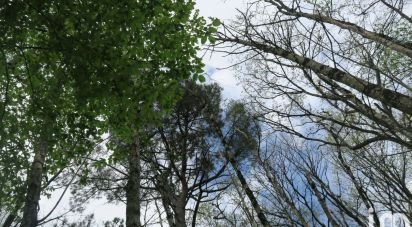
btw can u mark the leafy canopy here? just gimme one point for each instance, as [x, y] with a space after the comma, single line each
[71, 70]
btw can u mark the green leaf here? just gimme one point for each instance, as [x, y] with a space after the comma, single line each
[216, 22]
[201, 78]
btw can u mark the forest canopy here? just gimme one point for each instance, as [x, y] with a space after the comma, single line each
[109, 100]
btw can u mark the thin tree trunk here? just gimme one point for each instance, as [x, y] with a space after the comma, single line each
[244, 206]
[388, 97]
[362, 193]
[279, 190]
[385, 40]
[166, 202]
[9, 220]
[322, 201]
[250, 195]
[169, 214]
[166, 195]
[180, 211]
[133, 186]
[197, 207]
[159, 213]
[13, 215]
[34, 186]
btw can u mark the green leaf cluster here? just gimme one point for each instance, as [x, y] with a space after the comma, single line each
[72, 70]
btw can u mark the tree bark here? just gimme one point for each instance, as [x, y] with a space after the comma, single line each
[388, 97]
[9, 220]
[133, 186]
[387, 41]
[196, 208]
[280, 190]
[322, 201]
[362, 193]
[169, 214]
[34, 181]
[180, 210]
[244, 205]
[249, 193]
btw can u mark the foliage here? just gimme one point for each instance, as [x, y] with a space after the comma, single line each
[72, 70]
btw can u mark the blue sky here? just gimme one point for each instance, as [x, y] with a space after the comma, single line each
[216, 63]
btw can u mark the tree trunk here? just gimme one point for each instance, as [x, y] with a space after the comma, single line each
[244, 206]
[196, 208]
[34, 186]
[9, 220]
[322, 201]
[388, 97]
[169, 214]
[280, 191]
[133, 186]
[382, 39]
[250, 195]
[180, 220]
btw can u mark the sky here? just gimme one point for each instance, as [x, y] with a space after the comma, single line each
[216, 70]
[214, 64]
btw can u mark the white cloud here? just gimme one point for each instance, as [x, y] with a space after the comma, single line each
[222, 9]
[216, 63]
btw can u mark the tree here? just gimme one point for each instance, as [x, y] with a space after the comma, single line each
[72, 70]
[40, 112]
[184, 163]
[240, 141]
[348, 74]
[181, 166]
[337, 74]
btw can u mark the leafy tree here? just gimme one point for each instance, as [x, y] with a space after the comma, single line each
[180, 161]
[240, 139]
[184, 162]
[72, 70]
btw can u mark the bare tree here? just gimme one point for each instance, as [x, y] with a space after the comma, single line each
[336, 73]
[300, 54]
